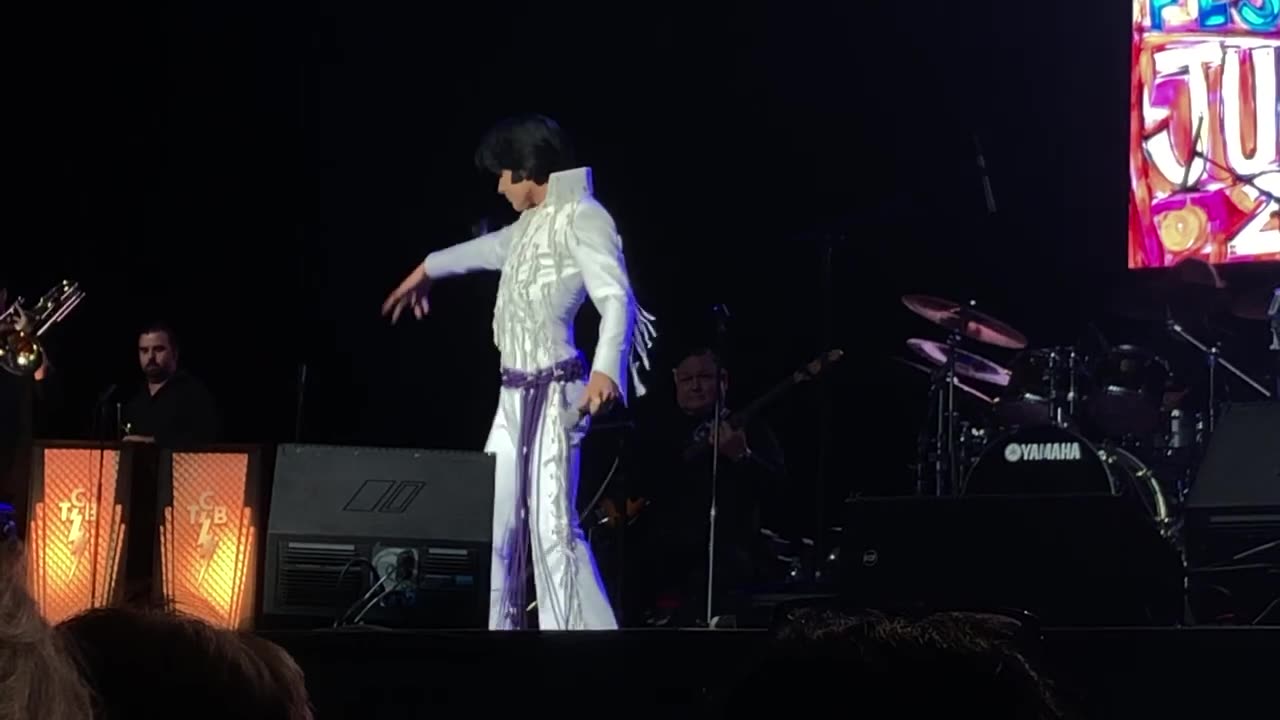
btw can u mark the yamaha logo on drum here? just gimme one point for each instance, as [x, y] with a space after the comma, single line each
[1041, 452]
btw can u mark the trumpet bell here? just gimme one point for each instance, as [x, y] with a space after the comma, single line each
[19, 353]
[20, 329]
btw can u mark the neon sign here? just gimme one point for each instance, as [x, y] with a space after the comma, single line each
[75, 551]
[207, 538]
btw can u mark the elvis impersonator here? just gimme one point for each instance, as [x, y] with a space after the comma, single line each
[563, 247]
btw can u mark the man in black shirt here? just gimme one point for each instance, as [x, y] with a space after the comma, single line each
[173, 408]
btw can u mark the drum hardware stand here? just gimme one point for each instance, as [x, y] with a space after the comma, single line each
[942, 432]
[944, 444]
[1263, 194]
[1214, 358]
[1055, 407]
[1056, 415]
[961, 320]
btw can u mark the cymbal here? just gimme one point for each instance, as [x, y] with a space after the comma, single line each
[960, 384]
[968, 365]
[968, 322]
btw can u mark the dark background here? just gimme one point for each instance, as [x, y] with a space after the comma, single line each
[263, 174]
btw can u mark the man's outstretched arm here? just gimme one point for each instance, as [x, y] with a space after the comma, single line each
[487, 252]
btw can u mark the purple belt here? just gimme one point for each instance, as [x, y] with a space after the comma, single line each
[567, 370]
[533, 386]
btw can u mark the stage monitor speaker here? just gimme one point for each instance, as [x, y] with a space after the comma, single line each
[345, 520]
[1232, 518]
[78, 519]
[1070, 560]
[1241, 467]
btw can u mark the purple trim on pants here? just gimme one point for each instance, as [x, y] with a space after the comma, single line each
[533, 387]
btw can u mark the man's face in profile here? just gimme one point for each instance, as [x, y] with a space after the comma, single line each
[156, 356]
[519, 194]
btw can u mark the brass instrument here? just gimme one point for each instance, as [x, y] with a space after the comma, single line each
[20, 329]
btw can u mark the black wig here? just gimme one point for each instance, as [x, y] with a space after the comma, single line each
[530, 146]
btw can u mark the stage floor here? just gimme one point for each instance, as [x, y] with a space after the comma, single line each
[1218, 672]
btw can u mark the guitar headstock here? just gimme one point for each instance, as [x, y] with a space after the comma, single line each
[818, 364]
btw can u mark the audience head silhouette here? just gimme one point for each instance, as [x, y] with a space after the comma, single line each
[37, 679]
[877, 665]
[144, 663]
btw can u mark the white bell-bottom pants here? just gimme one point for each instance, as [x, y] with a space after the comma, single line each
[541, 515]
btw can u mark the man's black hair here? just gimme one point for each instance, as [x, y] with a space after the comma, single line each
[699, 351]
[164, 327]
[530, 146]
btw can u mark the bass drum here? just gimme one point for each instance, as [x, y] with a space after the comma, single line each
[1051, 460]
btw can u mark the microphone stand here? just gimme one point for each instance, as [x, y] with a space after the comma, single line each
[99, 440]
[299, 399]
[722, 314]
[824, 413]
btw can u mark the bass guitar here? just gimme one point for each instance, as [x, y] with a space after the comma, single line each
[606, 512]
[743, 417]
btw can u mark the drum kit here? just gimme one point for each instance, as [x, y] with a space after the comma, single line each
[1088, 417]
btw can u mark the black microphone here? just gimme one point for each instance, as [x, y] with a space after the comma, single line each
[106, 395]
[986, 179]
[98, 420]
[722, 315]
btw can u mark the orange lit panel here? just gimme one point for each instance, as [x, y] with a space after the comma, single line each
[207, 539]
[75, 549]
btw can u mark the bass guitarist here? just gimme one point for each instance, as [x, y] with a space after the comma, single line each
[668, 548]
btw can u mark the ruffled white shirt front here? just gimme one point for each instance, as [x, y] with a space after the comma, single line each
[552, 257]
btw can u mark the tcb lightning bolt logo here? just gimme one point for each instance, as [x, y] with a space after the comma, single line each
[77, 512]
[208, 516]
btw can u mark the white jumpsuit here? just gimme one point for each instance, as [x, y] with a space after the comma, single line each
[551, 258]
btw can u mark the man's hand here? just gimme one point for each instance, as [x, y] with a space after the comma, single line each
[733, 443]
[18, 320]
[601, 393]
[411, 293]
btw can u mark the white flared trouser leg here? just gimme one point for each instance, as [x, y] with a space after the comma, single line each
[570, 593]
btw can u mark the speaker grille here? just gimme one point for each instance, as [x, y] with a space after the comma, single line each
[311, 575]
